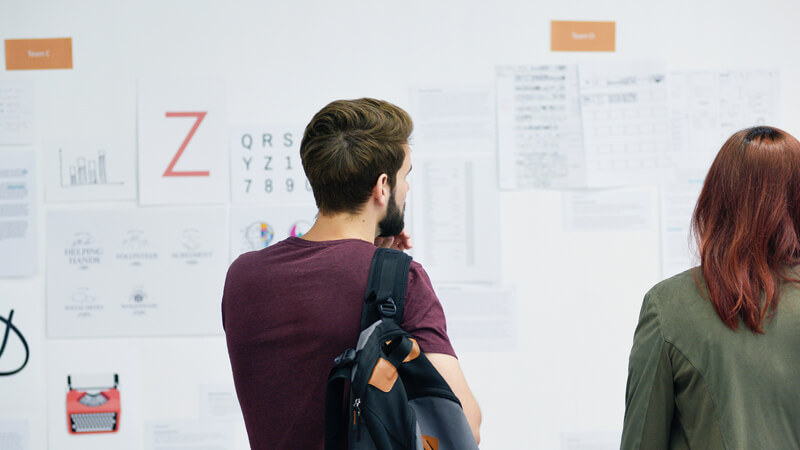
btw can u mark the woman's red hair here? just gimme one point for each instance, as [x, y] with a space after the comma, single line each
[746, 224]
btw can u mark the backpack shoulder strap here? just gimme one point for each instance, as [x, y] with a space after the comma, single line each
[386, 287]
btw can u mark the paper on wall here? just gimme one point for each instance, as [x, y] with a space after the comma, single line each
[78, 171]
[188, 434]
[590, 440]
[18, 213]
[16, 112]
[610, 209]
[457, 211]
[539, 134]
[706, 107]
[182, 142]
[14, 434]
[255, 227]
[457, 120]
[480, 317]
[625, 116]
[134, 272]
[266, 166]
[678, 199]
[579, 126]
[218, 401]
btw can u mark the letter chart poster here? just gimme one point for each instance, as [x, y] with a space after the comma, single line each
[135, 272]
[266, 166]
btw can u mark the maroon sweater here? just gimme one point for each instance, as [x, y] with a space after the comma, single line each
[288, 311]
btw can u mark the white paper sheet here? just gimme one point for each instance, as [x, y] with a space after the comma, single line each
[453, 120]
[748, 98]
[188, 435]
[591, 440]
[457, 210]
[480, 317]
[610, 209]
[218, 401]
[539, 134]
[77, 171]
[625, 114]
[266, 166]
[135, 272]
[18, 205]
[678, 199]
[14, 434]
[101, 359]
[706, 107]
[258, 226]
[16, 112]
[182, 142]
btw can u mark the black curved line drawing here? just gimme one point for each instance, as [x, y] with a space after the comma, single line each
[10, 327]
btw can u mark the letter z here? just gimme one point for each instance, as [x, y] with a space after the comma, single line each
[174, 173]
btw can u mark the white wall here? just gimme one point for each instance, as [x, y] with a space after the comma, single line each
[578, 292]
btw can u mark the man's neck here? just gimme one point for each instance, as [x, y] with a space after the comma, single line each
[331, 227]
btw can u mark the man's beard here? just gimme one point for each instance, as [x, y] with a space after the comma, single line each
[394, 222]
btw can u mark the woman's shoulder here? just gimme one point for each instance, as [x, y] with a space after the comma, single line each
[684, 286]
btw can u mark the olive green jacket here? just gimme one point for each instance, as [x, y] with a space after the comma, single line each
[695, 383]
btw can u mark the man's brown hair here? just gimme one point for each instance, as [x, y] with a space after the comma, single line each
[348, 145]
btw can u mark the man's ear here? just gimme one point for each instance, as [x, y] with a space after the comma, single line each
[381, 190]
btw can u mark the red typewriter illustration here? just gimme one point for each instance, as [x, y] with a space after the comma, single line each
[93, 404]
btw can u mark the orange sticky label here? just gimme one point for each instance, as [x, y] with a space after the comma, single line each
[582, 36]
[37, 54]
[430, 443]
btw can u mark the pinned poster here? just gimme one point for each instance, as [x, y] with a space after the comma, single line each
[586, 126]
[458, 206]
[182, 143]
[625, 113]
[480, 317]
[16, 112]
[17, 213]
[94, 391]
[14, 434]
[135, 272]
[184, 434]
[707, 107]
[256, 227]
[539, 132]
[452, 119]
[678, 199]
[630, 208]
[79, 171]
[266, 166]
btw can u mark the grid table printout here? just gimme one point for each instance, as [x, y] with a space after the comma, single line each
[625, 115]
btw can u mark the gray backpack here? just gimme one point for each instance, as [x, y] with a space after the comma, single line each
[397, 398]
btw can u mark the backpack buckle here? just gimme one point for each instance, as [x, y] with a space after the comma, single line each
[387, 308]
[347, 357]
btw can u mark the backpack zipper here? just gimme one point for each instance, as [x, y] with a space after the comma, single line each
[356, 416]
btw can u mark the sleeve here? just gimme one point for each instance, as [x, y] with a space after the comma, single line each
[649, 399]
[423, 316]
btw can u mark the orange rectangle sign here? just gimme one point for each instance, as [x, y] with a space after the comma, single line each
[568, 36]
[37, 54]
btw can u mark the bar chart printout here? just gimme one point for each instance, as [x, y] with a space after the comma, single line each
[84, 171]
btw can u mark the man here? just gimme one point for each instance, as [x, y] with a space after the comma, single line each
[291, 308]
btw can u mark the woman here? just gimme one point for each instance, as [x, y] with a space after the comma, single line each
[716, 355]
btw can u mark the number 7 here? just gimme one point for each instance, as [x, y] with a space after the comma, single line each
[173, 173]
